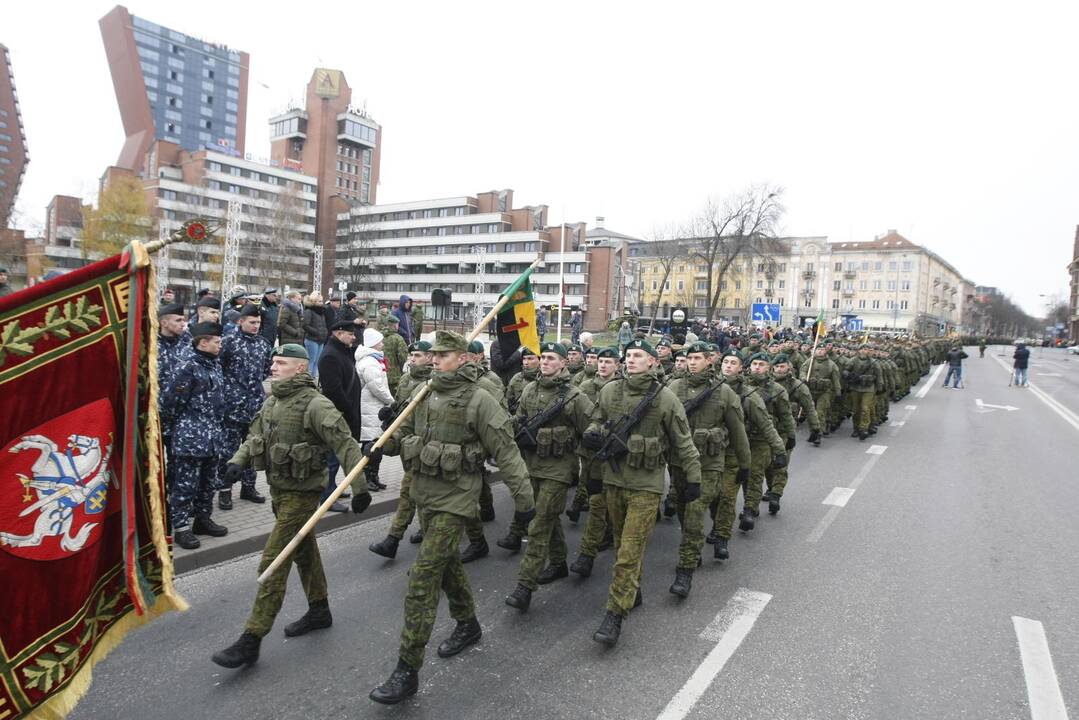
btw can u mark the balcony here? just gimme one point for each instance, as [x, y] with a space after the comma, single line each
[848, 293]
[809, 275]
[849, 275]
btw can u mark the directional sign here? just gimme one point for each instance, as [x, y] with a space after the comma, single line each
[986, 407]
[766, 312]
[855, 323]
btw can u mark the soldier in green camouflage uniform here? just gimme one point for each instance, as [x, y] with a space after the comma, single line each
[444, 443]
[750, 350]
[716, 422]
[825, 384]
[863, 376]
[419, 372]
[634, 489]
[666, 358]
[289, 439]
[778, 403]
[395, 353]
[597, 529]
[800, 395]
[575, 364]
[589, 370]
[550, 462]
[529, 372]
[489, 381]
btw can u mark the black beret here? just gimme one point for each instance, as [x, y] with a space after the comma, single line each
[348, 325]
[170, 309]
[349, 295]
[210, 302]
[205, 328]
[249, 310]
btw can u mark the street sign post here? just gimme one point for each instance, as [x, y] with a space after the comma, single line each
[766, 312]
[855, 323]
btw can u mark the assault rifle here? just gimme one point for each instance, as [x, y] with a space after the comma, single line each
[616, 444]
[694, 403]
[528, 429]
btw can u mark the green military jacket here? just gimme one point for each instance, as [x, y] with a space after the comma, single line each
[589, 371]
[517, 386]
[777, 401]
[491, 383]
[556, 440]
[395, 352]
[662, 431]
[718, 424]
[760, 427]
[747, 352]
[575, 368]
[291, 435]
[862, 375]
[825, 378]
[416, 376]
[798, 393]
[444, 442]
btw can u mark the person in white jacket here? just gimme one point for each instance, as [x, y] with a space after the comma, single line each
[374, 395]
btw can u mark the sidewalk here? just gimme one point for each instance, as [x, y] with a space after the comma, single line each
[249, 524]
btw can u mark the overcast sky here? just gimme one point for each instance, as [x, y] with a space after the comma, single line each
[953, 123]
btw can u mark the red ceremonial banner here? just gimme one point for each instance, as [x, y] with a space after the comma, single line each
[84, 555]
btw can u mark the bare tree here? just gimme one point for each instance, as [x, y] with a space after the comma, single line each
[355, 263]
[734, 226]
[665, 249]
[268, 251]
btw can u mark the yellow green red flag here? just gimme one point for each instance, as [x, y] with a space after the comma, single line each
[517, 320]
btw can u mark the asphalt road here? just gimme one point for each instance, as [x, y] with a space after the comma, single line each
[895, 601]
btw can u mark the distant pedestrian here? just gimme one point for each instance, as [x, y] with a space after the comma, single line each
[314, 329]
[290, 319]
[268, 310]
[955, 366]
[374, 395]
[625, 337]
[1021, 358]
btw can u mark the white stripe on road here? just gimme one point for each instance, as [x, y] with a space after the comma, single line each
[1043, 689]
[1067, 415]
[930, 382]
[897, 423]
[729, 628]
[833, 512]
[838, 497]
[911, 407]
[876, 449]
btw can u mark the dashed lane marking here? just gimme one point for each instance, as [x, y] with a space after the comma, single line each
[1043, 688]
[876, 449]
[833, 512]
[930, 382]
[838, 497]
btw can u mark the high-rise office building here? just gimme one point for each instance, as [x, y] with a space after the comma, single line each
[175, 87]
[13, 153]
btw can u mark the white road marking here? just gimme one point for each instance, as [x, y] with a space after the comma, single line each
[833, 512]
[1067, 415]
[1043, 689]
[897, 423]
[911, 407]
[986, 407]
[1048, 374]
[876, 449]
[729, 628]
[930, 382]
[838, 497]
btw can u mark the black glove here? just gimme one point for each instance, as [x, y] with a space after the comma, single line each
[385, 413]
[814, 437]
[742, 477]
[693, 491]
[524, 516]
[592, 440]
[361, 502]
[790, 443]
[779, 461]
[594, 483]
[369, 450]
[232, 473]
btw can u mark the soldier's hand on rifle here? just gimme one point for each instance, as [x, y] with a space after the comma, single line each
[790, 443]
[693, 491]
[592, 440]
[385, 413]
[524, 516]
[779, 461]
[370, 451]
[814, 437]
[742, 477]
[232, 473]
[361, 502]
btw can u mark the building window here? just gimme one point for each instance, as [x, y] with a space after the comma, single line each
[208, 124]
[863, 285]
[876, 304]
[737, 286]
[861, 304]
[782, 284]
[681, 285]
[890, 304]
[837, 284]
[722, 284]
[170, 128]
[839, 267]
[878, 266]
[835, 304]
[702, 284]
[865, 266]
[905, 285]
[876, 284]
[760, 284]
[893, 266]
[492, 228]
[903, 304]
[907, 265]
[737, 302]
[891, 285]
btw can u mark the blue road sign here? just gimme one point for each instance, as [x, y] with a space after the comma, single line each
[766, 312]
[854, 323]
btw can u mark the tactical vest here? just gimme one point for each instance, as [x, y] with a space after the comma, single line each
[442, 444]
[285, 447]
[708, 423]
[559, 436]
[647, 443]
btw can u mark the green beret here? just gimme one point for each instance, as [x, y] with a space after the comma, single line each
[678, 354]
[591, 351]
[420, 346]
[291, 350]
[527, 351]
[447, 341]
[712, 347]
[754, 336]
[607, 352]
[642, 345]
[760, 356]
[698, 347]
[575, 348]
[553, 347]
[780, 358]
[475, 347]
[393, 320]
[733, 354]
[663, 343]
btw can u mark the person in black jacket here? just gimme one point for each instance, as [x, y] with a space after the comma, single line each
[508, 367]
[955, 366]
[268, 310]
[1021, 359]
[337, 378]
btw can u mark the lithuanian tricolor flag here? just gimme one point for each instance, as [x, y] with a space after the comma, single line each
[517, 320]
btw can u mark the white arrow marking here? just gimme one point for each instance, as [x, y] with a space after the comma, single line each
[1048, 374]
[986, 407]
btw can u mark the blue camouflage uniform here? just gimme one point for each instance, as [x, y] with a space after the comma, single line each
[245, 363]
[172, 353]
[195, 401]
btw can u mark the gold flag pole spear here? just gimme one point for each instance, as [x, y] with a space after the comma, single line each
[382, 439]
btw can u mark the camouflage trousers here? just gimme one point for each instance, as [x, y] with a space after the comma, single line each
[633, 515]
[595, 526]
[291, 510]
[776, 478]
[194, 482]
[474, 526]
[580, 497]
[824, 410]
[406, 509]
[723, 519]
[437, 569]
[862, 403]
[880, 410]
[762, 460]
[519, 530]
[546, 540]
[233, 436]
[692, 515]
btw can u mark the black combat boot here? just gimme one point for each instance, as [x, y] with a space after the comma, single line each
[573, 513]
[252, 495]
[520, 598]
[466, 633]
[204, 525]
[745, 520]
[386, 547]
[720, 551]
[511, 542]
[402, 683]
[317, 617]
[713, 537]
[487, 514]
[862, 435]
[670, 507]
[582, 566]
[638, 600]
[244, 651]
[552, 573]
[766, 496]
[224, 500]
[475, 551]
[186, 539]
[855, 433]
[609, 629]
[417, 537]
[683, 582]
[773, 504]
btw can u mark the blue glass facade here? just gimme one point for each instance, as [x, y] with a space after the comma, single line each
[193, 88]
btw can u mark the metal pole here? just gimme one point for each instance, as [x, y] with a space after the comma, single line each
[561, 281]
[382, 439]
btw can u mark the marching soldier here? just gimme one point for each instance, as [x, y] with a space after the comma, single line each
[195, 402]
[824, 384]
[863, 377]
[589, 370]
[778, 403]
[419, 372]
[290, 438]
[714, 413]
[395, 353]
[245, 363]
[666, 357]
[575, 359]
[551, 417]
[636, 424]
[477, 541]
[798, 392]
[529, 371]
[443, 444]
